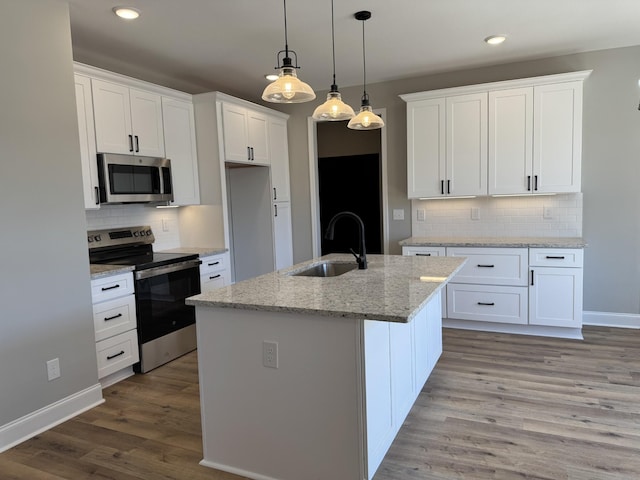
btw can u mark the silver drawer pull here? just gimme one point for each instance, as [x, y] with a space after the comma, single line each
[106, 319]
[553, 257]
[104, 289]
[488, 304]
[485, 266]
[215, 276]
[111, 357]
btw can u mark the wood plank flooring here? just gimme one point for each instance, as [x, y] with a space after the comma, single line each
[496, 407]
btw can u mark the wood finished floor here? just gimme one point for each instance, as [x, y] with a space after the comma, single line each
[496, 407]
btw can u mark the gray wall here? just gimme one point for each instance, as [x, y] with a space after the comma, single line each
[44, 285]
[611, 167]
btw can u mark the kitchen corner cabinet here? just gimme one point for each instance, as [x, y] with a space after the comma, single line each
[516, 137]
[86, 130]
[114, 319]
[180, 147]
[127, 120]
[246, 136]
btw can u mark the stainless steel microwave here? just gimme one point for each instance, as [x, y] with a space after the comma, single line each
[134, 179]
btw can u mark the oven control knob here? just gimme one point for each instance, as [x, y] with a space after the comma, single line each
[90, 239]
[136, 234]
[148, 232]
[97, 238]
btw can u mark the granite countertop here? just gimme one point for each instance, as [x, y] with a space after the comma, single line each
[99, 271]
[519, 242]
[394, 288]
[201, 251]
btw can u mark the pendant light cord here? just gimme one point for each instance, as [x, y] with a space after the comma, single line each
[286, 41]
[364, 65]
[333, 44]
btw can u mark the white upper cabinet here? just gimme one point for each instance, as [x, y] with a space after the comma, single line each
[466, 145]
[426, 147]
[84, 107]
[511, 141]
[516, 137]
[180, 148]
[246, 138]
[279, 155]
[557, 137]
[127, 120]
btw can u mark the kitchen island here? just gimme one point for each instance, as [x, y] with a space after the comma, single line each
[311, 378]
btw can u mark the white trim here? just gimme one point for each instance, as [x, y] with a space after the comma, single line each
[484, 87]
[609, 319]
[557, 332]
[312, 137]
[47, 417]
[116, 377]
[236, 471]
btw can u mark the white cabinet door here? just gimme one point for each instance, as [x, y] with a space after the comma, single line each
[466, 145]
[146, 123]
[234, 127]
[180, 148]
[112, 111]
[555, 297]
[258, 137]
[86, 130]
[282, 235]
[279, 155]
[557, 135]
[511, 141]
[426, 148]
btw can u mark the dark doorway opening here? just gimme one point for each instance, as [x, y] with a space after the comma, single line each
[351, 183]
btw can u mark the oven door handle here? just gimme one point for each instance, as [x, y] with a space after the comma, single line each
[174, 267]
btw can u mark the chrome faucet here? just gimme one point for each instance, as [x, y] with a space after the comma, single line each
[361, 256]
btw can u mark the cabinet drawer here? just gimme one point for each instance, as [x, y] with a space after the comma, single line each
[111, 287]
[556, 257]
[424, 251]
[214, 263]
[486, 303]
[213, 280]
[114, 316]
[117, 352]
[492, 266]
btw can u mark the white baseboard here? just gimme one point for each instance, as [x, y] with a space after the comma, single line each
[47, 417]
[236, 471]
[608, 319]
[540, 331]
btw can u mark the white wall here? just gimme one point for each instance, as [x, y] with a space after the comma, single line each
[44, 281]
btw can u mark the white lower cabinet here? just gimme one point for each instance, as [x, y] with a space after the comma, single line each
[114, 319]
[282, 235]
[214, 272]
[555, 289]
[526, 287]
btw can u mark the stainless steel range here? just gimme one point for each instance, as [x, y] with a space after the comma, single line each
[166, 326]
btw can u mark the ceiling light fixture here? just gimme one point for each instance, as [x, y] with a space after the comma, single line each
[288, 88]
[272, 77]
[334, 109]
[128, 13]
[495, 39]
[366, 119]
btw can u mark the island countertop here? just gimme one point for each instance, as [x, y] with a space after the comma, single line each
[518, 242]
[394, 288]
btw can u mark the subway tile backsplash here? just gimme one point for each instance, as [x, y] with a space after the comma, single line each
[532, 216]
[163, 221]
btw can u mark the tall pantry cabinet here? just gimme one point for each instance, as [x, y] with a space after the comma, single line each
[244, 181]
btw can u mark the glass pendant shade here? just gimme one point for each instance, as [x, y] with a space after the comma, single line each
[288, 88]
[365, 120]
[334, 109]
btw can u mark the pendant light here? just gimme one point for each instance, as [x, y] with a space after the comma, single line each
[288, 88]
[334, 109]
[366, 119]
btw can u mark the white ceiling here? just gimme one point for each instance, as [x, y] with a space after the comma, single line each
[230, 44]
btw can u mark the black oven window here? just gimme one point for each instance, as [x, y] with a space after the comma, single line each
[132, 179]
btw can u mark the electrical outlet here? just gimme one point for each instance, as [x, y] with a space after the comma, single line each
[420, 216]
[547, 213]
[270, 354]
[53, 369]
[165, 225]
[475, 213]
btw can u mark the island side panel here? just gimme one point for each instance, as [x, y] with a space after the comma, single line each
[301, 420]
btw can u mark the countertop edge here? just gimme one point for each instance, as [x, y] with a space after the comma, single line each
[506, 242]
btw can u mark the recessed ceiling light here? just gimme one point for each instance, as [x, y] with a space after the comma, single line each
[127, 13]
[495, 39]
[272, 77]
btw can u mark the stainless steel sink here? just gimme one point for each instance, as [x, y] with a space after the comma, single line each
[326, 269]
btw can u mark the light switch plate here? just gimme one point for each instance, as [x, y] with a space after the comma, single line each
[398, 213]
[420, 215]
